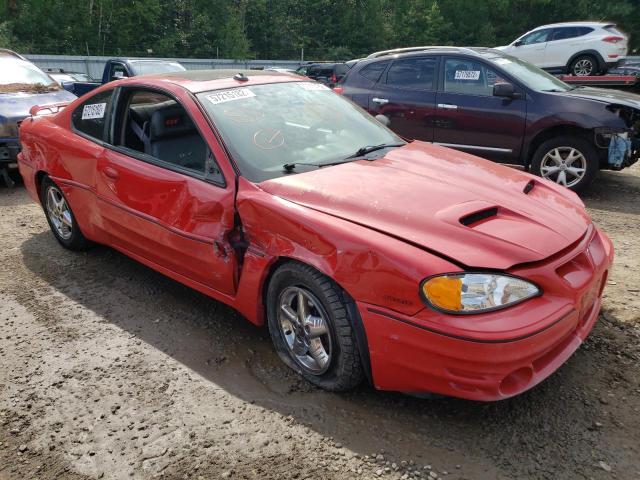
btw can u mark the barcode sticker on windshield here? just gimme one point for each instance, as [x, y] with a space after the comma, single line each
[467, 75]
[93, 111]
[230, 95]
[313, 86]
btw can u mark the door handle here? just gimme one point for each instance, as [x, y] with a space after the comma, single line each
[381, 101]
[447, 106]
[110, 172]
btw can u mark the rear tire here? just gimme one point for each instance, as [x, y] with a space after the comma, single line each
[568, 160]
[322, 348]
[61, 219]
[584, 66]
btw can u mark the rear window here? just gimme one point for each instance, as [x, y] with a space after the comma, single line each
[341, 69]
[145, 68]
[373, 70]
[613, 29]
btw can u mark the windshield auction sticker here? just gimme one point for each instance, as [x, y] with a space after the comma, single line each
[230, 95]
[467, 75]
[313, 86]
[93, 111]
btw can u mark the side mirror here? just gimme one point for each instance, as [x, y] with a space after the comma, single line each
[383, 119]
[518, 43]
[505, 90]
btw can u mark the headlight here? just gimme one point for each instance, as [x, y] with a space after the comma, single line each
[463, 293]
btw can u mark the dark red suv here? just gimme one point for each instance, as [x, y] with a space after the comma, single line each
[493, 105]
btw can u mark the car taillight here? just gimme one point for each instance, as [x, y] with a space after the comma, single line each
[613, 39]
[339, 90]
[334, 79]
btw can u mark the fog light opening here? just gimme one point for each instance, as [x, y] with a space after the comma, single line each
[516, 381]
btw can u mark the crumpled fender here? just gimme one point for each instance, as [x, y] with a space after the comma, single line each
[370, 266]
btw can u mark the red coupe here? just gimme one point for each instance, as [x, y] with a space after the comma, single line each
[421, 268]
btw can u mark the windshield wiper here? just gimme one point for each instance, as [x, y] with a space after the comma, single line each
[289, 167]
[359, 153]
[372, 148]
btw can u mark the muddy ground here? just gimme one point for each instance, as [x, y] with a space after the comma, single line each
[110, 370]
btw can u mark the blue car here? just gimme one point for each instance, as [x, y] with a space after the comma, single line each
[22, 86]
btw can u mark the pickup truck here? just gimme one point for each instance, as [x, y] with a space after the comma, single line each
[117, 68]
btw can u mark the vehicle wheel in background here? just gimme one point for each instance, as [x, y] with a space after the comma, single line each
[60, 217]
[311, 328]
[584, 66]
[570, 161]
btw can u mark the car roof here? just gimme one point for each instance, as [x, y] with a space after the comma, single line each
[6, 53]
[574, 24]
[417, 51]
[423, 49]
[197, 81]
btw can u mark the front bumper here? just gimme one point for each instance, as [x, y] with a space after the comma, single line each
[415, 355]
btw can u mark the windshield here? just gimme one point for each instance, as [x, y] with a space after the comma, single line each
[19, 76]
[268, 126]
[529, 74]
[145, 67]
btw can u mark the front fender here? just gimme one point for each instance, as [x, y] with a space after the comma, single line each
[370, 266]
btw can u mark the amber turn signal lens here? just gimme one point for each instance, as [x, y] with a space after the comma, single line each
[444, 292]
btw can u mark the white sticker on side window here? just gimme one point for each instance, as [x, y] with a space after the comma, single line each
[93, 111]
[467, 75]
[313, 86]
[230, 95]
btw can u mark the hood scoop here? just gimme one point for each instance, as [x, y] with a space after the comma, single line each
[528, 187]
[476, 217]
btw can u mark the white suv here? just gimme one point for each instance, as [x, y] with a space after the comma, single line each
[578, 48]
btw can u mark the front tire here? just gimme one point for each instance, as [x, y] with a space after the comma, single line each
[61, 220]
[311, 328]
[570, 161]
[584, 66]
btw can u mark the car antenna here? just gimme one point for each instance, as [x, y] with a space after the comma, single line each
[241, 77]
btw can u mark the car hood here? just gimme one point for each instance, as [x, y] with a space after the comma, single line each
[607, 96]
[15, 106]
[428, 195]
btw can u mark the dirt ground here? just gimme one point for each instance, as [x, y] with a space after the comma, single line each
[110, 370]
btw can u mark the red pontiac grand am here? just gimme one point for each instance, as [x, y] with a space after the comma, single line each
[418, 267]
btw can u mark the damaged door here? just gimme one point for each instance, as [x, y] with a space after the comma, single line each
[161, 193]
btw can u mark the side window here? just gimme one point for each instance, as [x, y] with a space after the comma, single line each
[341, 69]
[373, 70]
[469, 77]
[539, 36]
[414, 73]
[90, 117]
[156, 125]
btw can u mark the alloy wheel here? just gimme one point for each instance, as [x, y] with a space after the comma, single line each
[564, 165]
[59, 213]
[305, 328]
[583, 68]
